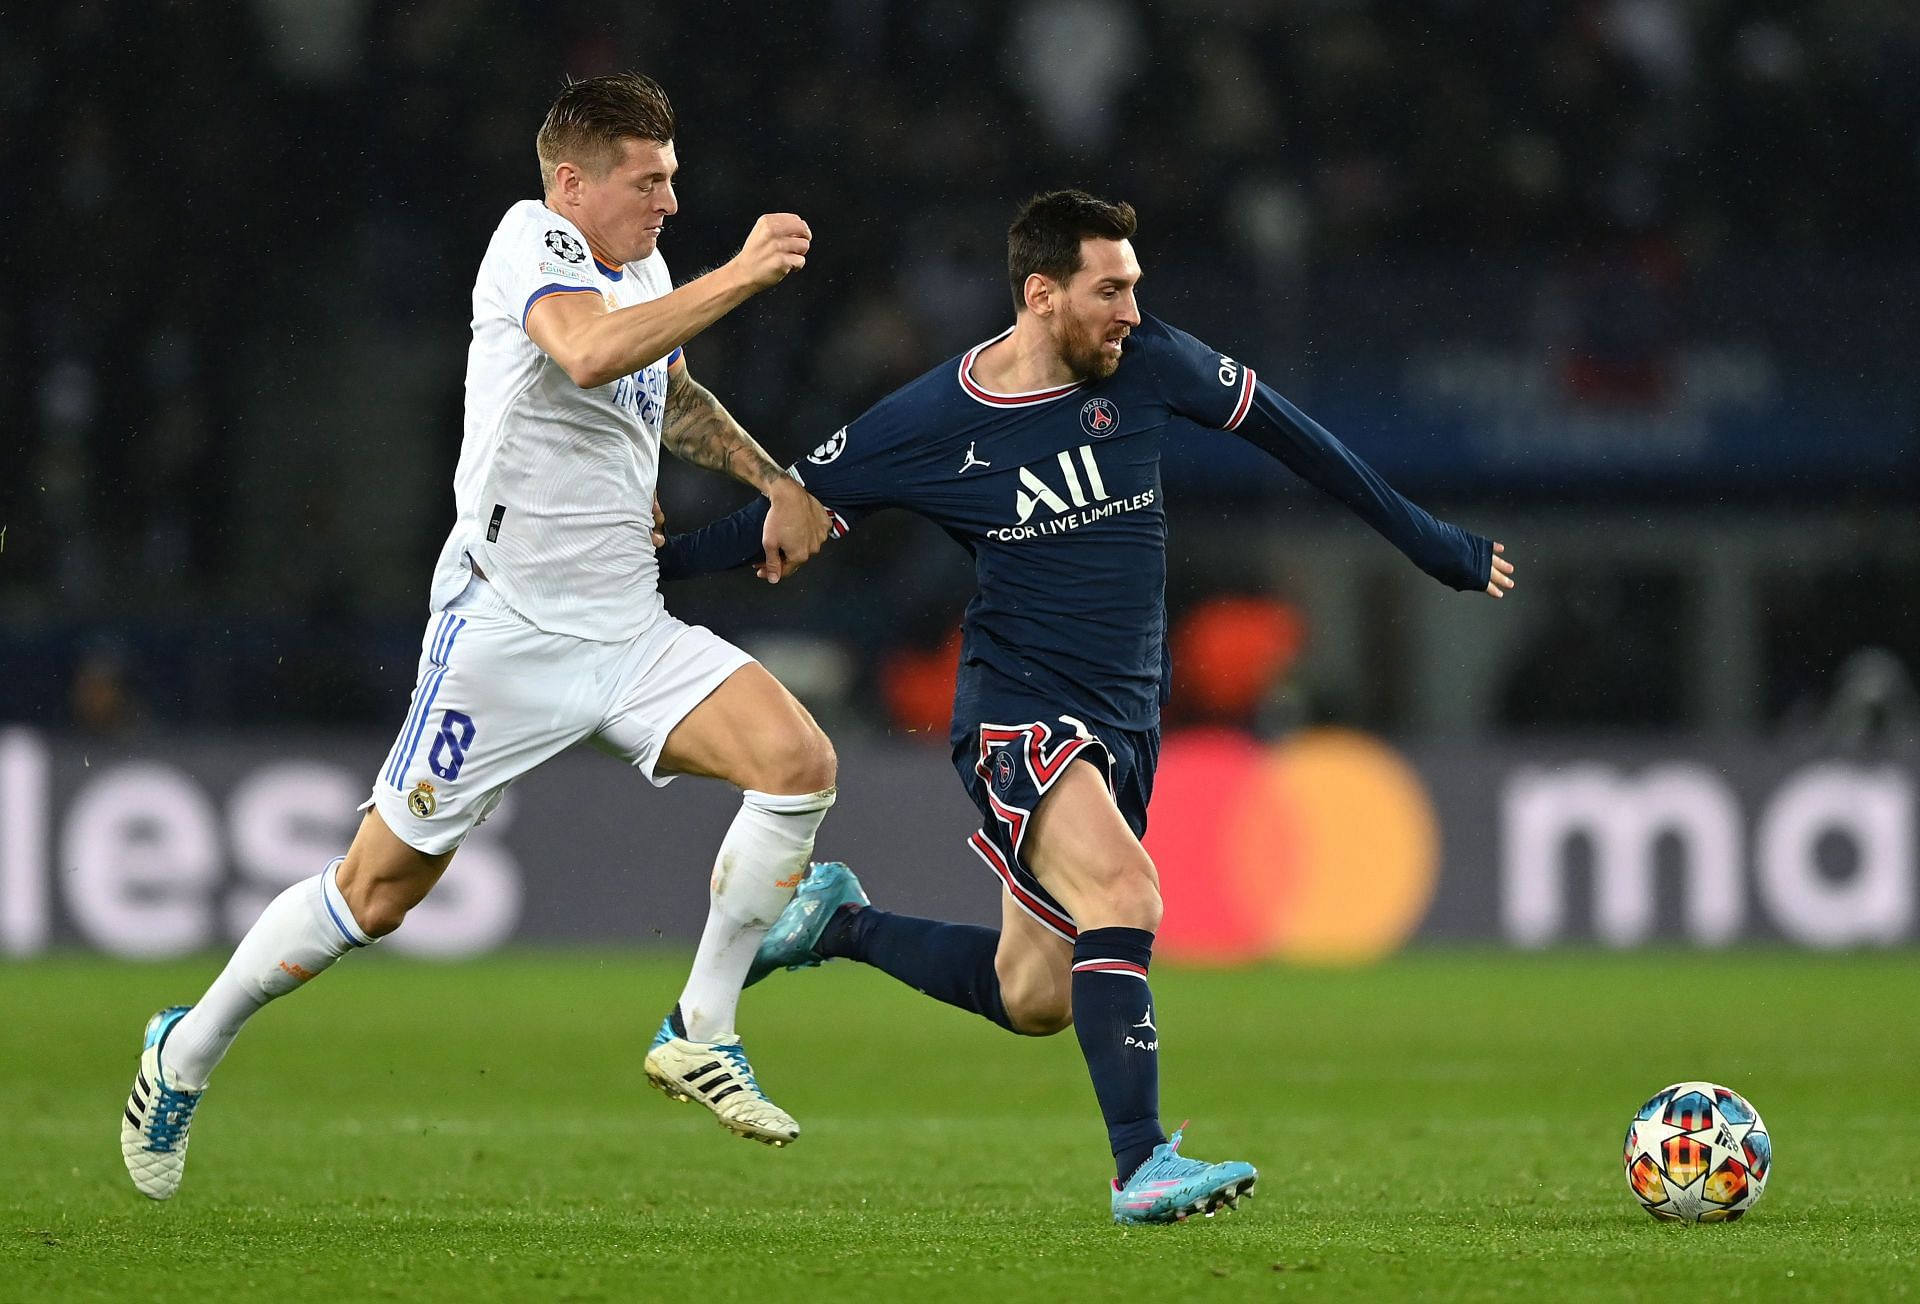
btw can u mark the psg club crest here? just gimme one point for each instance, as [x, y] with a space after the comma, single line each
[1099, 417]
[565, 246]
[830, 449]
[1003, 772]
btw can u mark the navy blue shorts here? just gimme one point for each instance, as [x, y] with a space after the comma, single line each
[1008, 767]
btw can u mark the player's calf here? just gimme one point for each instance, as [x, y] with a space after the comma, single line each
[1037, 990]
[383, 878]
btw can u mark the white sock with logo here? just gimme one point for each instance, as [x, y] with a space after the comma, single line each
[762, 860]
[300, 933]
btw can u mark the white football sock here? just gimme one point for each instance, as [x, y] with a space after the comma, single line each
[762, 860]
[301, 932]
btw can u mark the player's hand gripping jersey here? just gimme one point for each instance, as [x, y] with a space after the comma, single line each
[1056, 494]
[554, 490]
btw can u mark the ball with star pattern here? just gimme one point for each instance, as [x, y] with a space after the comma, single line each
[1698, 1152]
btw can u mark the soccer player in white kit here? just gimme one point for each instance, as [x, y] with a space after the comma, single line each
[547, 625]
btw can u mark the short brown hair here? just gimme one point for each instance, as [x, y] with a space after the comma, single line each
[1045, 238]
[590, 118]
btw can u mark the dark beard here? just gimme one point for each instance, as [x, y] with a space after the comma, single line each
[1087, 362]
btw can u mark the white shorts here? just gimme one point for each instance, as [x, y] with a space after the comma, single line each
[496, 697]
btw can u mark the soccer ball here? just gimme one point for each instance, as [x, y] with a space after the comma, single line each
[1698, 1152]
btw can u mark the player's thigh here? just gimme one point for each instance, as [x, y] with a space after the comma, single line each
[1081, 850]
[1035, 968]
[753, 733]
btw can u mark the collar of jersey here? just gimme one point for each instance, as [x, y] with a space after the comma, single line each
[992, 398]
[611, 273]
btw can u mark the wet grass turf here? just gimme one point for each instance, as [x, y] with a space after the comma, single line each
[1445, 1126]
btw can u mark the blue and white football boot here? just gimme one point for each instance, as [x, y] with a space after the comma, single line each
[716, 1074]
[789, 943]
[153, 1131]
[1169, 1187]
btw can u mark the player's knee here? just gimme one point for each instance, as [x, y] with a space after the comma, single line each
[805, 763]
[821, 764]
[1130, 898]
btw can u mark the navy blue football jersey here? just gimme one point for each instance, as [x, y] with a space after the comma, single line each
[1056, 495]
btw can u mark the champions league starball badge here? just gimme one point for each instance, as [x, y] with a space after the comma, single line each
[830, 448]
[565, 246]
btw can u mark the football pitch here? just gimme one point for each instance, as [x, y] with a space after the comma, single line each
[1444, 1126]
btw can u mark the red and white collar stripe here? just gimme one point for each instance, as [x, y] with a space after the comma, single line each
[993, 398]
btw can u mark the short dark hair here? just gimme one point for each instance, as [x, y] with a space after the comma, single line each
[1045, 238]
[590, 118]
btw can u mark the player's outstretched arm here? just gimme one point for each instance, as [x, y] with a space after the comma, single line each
[696, 428]
[721, 545]
[1453, 556]
[596, 346]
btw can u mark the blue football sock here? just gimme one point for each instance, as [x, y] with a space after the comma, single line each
[1113, 1015]
[949, 962]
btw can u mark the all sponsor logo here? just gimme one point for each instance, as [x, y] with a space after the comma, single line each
[1081, 498]
[1035, 493]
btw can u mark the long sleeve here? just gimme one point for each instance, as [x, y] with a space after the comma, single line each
[717, 546]
[1455, 557]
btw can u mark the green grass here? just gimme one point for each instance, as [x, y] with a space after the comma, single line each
[1445, 1126]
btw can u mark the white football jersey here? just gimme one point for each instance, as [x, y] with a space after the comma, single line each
[554, 491]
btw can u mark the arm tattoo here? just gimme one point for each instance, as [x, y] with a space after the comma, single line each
[697, 429]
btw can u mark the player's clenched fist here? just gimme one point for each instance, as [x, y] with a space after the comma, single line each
[777, 245]
[795, 528]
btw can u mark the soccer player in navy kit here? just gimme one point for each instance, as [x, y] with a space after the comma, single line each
[1039, 452]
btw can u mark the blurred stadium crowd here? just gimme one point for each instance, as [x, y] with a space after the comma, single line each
[242, 235]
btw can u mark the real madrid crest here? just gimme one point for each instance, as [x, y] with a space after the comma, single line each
[421, 800]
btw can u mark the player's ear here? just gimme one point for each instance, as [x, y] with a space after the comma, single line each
[1038, 293]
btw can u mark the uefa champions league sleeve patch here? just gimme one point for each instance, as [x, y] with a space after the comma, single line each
[831, 447]
[564, 246]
